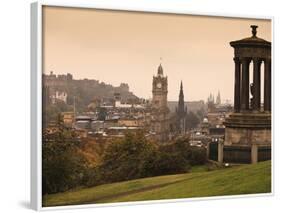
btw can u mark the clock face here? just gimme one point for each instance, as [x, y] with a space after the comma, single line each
[159, 85]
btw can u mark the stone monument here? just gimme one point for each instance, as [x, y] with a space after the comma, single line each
[248, 128]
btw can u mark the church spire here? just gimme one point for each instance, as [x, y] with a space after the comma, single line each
[218, 100]
[160, 70]
[181, 109]
[181, 96]
[181, 86]
[181, 112]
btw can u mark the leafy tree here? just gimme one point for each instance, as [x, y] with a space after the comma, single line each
[62, 165]
[52, 111]
[124, 159]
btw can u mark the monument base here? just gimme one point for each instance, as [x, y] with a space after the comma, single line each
[247, 138]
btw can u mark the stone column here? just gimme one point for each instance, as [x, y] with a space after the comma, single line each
[220, 151]
[254, 153]
[257, 84]
[245, 84]
[267, 85]
[237, 84]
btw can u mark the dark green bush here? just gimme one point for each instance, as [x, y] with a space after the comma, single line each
[198, 156]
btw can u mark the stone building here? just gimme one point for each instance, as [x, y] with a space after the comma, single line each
[56, 81]
[58, 96]
[248, 128]
[160, 110]
[54, 87]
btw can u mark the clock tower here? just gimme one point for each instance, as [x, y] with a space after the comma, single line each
[159, 90]
[160, 111]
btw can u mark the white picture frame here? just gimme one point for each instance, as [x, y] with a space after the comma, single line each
[36, 97]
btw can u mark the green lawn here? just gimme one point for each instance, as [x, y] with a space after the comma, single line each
[244, 179]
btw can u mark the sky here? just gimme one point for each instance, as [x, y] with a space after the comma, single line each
[121, 46]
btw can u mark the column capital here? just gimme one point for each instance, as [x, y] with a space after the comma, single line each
[267, 60]
[236, 60]
[258, 60]
[246, 60]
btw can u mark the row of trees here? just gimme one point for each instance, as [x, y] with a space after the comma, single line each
[135, 157]
[129, 158]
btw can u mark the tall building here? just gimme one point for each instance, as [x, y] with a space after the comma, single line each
[160, 110]
[181, 112]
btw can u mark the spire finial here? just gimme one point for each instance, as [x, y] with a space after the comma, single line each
[160, 70]
[254, 30]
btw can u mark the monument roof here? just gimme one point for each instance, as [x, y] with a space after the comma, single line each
[251, 41]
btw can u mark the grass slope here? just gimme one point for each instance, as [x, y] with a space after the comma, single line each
[244, 179]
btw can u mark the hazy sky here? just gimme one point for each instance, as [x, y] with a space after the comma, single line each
[115, 47]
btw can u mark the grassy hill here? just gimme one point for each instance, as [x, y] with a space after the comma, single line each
[244, 179]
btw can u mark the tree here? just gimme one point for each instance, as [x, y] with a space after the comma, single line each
[124, 159]
[63, 165]
[52, 111]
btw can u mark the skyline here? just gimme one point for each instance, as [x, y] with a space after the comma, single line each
[57, 74]
[194, 49]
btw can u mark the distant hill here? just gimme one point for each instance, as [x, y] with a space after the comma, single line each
[243, 179]
[86, 90]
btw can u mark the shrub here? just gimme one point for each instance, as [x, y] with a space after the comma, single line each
[168, 163]
[198, 156]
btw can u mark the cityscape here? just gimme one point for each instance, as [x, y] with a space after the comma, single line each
[119, 110]
[151, 146]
